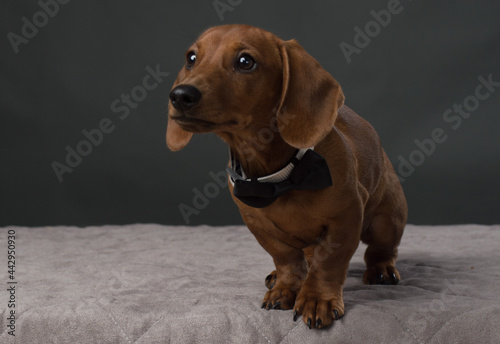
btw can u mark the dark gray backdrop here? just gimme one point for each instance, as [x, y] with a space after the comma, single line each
[69, 71]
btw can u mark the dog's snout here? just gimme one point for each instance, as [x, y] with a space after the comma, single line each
[184, 97]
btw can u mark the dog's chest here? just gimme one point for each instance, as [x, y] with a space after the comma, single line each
[296, 219]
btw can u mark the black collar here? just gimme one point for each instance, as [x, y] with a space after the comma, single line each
[307, 170]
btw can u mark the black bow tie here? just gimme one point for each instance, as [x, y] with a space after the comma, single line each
[309, 173]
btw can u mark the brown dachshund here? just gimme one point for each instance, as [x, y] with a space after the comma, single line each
[308, 174]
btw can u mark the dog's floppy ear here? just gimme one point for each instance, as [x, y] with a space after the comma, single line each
[310, 98]
[177, 138]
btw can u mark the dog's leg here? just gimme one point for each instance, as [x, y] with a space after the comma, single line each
[320, 300]
[383, 236]
[291, 270]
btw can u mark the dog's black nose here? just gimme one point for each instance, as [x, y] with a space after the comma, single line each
[184, 97]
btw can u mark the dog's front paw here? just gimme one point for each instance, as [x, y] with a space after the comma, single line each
[281, 296]
[381, 274]
[318, 310]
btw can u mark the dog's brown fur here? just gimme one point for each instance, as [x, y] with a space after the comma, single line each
[311, 235]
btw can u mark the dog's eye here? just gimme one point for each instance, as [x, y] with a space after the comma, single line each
[190, 59]
[245, 63]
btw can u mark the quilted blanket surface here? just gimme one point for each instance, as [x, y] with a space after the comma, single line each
[162, 284]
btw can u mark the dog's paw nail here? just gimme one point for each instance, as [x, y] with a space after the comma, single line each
[318, 323]
[277, 305]
[380, 279]
[263, 304]
[336, 315]
[395, 280]
[295, 315]
[309, 323]
[269, 305]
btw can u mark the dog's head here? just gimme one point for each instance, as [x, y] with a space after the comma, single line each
[237, 77]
